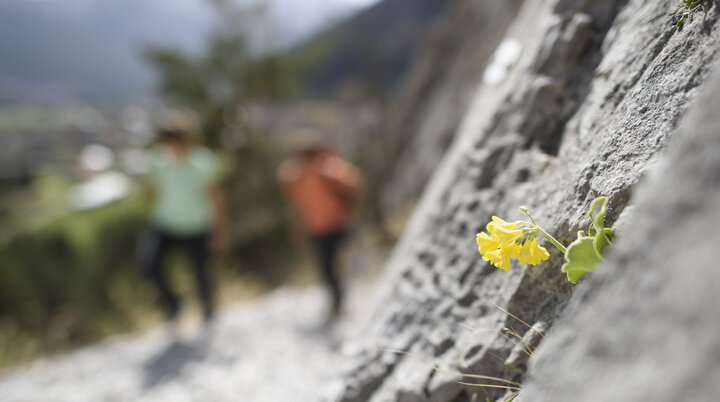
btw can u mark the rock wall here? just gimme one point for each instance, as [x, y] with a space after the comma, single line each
[599, 90]
[645, 327]
[436, 92]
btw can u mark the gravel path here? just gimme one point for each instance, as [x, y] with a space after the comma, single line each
[274, 349]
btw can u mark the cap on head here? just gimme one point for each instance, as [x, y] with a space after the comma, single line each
[171, 135]
[176, 126]
[306, 141]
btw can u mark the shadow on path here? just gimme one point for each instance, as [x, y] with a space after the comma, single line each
[169, 362]
[325, 333]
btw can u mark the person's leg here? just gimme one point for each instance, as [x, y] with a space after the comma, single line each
[326, 248]
[156, 272]
[199, 253]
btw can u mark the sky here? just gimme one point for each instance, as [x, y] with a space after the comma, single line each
[58, 48]
[315, 14]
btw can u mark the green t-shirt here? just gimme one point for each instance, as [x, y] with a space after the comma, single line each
[182, 204]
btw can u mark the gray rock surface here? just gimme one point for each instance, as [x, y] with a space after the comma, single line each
[600, 88]
[645, 326]
[436, 93]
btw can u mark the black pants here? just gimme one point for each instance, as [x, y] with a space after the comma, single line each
[196, 249]
[326, 248]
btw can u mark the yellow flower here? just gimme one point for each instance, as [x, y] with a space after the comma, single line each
[493, 251]
[506, 233]
[502, 256]
[531, 254]
[504, 243]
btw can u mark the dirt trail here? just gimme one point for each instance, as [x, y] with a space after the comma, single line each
[273, 349]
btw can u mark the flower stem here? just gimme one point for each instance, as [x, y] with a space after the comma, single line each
[552, 240]
[545, 234]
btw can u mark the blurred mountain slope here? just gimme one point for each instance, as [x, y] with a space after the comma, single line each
[372, 49]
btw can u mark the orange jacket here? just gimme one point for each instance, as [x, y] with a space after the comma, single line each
[322, 190]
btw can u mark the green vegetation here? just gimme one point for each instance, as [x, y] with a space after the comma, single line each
[258, 212]
[23, 209]
[72, 281]
[687, 9]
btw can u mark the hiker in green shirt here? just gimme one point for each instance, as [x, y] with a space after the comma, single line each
[188, 213]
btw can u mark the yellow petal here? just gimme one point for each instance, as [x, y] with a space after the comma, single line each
[491, 256]
[502, 258]
[498, 220]
[524, 255]
[506, 237]
[539, 253]
[486, 243]
[495, 222]
[507, 225]
[531, 254]
[511, 250]
[502, 262]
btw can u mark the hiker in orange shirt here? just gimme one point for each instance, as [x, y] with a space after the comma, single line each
[322, 188]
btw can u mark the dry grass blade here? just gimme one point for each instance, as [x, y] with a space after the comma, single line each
[516, 344]
[517, 318]
[517, 335]
[507, 363]
[488, 385]
[451, 373]
[473, 329]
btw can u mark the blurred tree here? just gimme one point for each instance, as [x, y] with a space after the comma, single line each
[228, 73]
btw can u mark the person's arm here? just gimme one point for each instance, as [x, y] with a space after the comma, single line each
[219, 238]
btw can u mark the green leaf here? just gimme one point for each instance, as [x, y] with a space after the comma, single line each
[586, 251]
[603, 236]
[597, 211]
[580, 257]
[602, 241]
